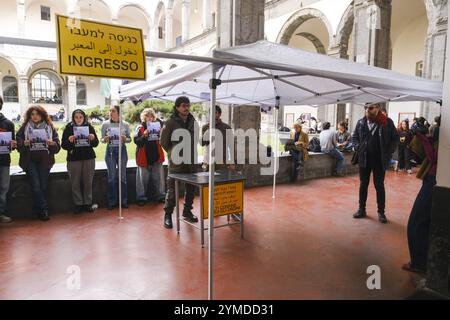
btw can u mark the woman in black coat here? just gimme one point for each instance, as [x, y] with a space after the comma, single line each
[80, 139]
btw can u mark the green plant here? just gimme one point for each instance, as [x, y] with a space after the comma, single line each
[100, 113]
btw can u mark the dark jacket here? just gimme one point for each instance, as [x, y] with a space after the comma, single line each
[6, 126]
[147, 152]
[78, 153]
[387, 137]
[192, 127]
[46, 158]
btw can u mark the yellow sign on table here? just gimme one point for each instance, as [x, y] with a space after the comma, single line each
[98, 49]
[228, 199]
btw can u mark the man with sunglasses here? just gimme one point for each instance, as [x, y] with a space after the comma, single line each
[375, 139]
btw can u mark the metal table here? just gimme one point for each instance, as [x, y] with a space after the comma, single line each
[201, 180]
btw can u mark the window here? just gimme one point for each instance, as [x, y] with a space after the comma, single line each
[160, 33]
[419, 68]
[81, 93]
[46, 88]
[45, 13]
[10, 90]
[213, 19]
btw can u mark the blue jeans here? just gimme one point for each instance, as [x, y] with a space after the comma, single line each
[419, 224]
[38, 176]
[335, 153]
[112, 164]
[4, 187]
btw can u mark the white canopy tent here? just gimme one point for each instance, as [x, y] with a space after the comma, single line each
[269, 74]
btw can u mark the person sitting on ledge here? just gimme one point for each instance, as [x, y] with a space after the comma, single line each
[298, 148]
[328, 145]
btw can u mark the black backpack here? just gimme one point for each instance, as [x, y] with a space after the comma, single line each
[314, 145]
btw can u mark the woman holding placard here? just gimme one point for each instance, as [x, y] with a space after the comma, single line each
[149, 159]
[37, 143]
[79, 139]
[112, 136]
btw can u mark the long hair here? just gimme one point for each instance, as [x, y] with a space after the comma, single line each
[400, 128]
[42, 112]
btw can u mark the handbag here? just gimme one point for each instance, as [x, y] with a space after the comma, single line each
[355, 156]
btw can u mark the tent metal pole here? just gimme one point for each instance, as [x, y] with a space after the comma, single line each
[120, 164]
[275, 120]
[212, 161]
[275, 126]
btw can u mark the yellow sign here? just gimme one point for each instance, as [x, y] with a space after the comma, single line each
[98, 49]
[228, 199]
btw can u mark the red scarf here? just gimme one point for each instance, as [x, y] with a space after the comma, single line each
[381, 120]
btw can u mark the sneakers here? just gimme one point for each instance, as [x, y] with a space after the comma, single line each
[43, 216]
[5, 219]
[361, 213]
[90, 207]
[409, 171]
[189, 216]
[168, 221]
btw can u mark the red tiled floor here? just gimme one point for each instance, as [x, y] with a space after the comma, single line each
[303, 245]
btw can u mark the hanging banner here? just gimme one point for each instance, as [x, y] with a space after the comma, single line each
[98, 49]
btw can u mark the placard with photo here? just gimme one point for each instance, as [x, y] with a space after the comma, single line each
[81, 136]
[114, 136]
[5, 142]
[154, 129]
[38, 140]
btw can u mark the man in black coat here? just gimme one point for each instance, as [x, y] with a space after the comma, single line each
[375, 138]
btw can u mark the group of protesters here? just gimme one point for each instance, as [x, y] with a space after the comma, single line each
[373, 143]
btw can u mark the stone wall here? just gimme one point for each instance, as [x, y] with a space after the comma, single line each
[60, 195]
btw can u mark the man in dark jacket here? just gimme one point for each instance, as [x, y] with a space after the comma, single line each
[5, 162]
[375, 138]
[180, 119]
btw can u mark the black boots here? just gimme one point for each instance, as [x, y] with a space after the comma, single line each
[361, 213]
[168, 221]
[382, 217]
[189, 216]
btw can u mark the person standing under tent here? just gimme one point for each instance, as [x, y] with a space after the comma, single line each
[37, 143]
[375, 139]
[149, 159]
[112, 136]
[222, 127]
[403, 146]
[6, 126]
[181, 118]
[79, 139]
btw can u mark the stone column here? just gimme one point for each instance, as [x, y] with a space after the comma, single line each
[71, 95]
[339, 52]
[185, 13]
[207, 15]
[438, 265]
[372, 29]
[240, 25]
[169, 29]
[21, 18]
[435, 53]
[23, 93]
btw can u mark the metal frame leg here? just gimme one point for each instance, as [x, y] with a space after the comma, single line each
[177, 205]
[202, 223]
